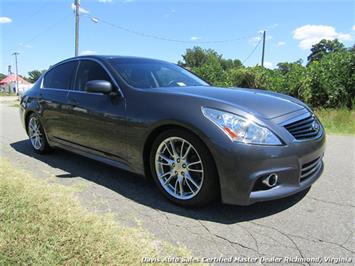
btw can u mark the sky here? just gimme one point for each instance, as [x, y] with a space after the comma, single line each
[42, 31]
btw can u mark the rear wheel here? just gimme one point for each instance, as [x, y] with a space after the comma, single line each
[36, 134]
[183, 168]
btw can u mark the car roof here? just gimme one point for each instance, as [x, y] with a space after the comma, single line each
[107, 57]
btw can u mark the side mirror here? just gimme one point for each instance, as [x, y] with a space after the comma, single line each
[100, 86]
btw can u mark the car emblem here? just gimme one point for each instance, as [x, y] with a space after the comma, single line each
[315, 126]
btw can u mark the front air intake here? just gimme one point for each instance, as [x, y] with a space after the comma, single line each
[308, 169]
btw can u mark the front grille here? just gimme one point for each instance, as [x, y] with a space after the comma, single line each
[305, 128]
[309, 168]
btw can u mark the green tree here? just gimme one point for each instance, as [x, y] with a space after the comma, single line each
[212, 71]
[286, 67]
[229, 63]
[250, 77]
[34, 75]
[242, 77]
[210, 65]
[324, 47]
[196, 57]
[330, 82]
[292, 74]
[293, 80]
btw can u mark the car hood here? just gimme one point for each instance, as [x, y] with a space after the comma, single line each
[262, 103]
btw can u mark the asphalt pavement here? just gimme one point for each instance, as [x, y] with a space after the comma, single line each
[316, 224]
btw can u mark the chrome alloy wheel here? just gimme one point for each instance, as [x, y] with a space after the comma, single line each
[179, 168]
[35, 134]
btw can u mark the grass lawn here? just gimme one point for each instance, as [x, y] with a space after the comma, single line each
[44, 224]
[337, 121]
[2, 93]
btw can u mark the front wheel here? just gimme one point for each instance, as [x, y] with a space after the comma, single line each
[183, 168]
[37, 135]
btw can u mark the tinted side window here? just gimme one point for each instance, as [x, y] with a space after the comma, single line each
[89, 70]
[60, 77]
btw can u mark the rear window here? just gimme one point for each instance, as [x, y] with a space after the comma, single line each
[60, 77]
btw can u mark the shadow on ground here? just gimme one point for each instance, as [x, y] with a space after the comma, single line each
[144, 192]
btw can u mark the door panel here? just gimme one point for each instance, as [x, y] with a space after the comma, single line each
[97, 120]
[55, 112]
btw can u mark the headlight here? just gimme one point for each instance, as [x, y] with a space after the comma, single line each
[241, 129]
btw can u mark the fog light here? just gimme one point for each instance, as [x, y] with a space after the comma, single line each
[270, 180]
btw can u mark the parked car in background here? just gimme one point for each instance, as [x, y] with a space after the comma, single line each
[197, 142]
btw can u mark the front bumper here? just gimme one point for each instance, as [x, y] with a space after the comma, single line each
[240, 166]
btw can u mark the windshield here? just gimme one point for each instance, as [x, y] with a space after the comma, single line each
[146, 73]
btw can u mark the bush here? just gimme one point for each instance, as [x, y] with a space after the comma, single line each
[242, 77]
[330, 82]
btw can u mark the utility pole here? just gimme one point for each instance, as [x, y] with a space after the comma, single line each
[77, 17]
[263, 52]
[16, 54]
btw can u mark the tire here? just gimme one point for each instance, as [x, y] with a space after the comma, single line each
[37, 135]
[182, 179]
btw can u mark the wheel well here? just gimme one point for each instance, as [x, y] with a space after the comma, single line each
[27, 117]
[153, 135]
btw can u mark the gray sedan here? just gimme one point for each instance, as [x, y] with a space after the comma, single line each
[197, 142]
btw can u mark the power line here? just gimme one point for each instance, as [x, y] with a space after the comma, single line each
[152, 36]
[44, 4]
[43, 31]
[252, 52]
[35, 37]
